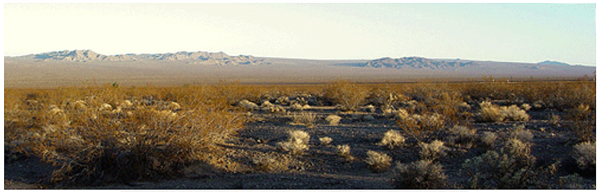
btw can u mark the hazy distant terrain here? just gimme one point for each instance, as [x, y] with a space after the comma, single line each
[73, 68]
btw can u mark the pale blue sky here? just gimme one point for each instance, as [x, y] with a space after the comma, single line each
[499, 32]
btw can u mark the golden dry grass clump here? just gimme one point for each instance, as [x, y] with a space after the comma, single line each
[94, 142]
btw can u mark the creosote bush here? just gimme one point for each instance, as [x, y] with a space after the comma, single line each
[377, 162]
[422, 174]
[511, 168]
[349, 96]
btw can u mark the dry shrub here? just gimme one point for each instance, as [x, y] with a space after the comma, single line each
[432, 151]
[345, 152]
[385, 98]
[488, 138]
[566, 95]
[585, 154]
[297, 142]
[333, 120]
[554, 120]
[461, 135]
[299, 107]
[450, 105]
[422, 174]
[233, 92]
[350, 96]
[270, 164]
[304, 118]
[578, 113]
[99, 144]
[272, 108]
[511, 168]
[582, 123]
[370, 108]
[514, 113]
[494, 113]
[490, 113]
[391, 139]
[525, 106]
[282, 100]
[519, 132]
[418, 125]
[248, 105]
[377, 162]
[573, 181]
[325, 141]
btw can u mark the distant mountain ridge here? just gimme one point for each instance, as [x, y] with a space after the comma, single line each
[553, 63]
[417, 62]
[222, 59]
[199, 57]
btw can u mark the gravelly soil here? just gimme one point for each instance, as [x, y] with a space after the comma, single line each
[321, 167]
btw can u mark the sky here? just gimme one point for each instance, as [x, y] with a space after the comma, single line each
[497, 32]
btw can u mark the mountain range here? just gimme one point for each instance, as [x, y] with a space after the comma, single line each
[70, 68]
[199, 57]
[222, 59]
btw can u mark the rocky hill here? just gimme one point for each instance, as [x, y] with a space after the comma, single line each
[417, 63]
[200, 57]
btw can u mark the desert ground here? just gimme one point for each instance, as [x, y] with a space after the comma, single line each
[493, 134]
